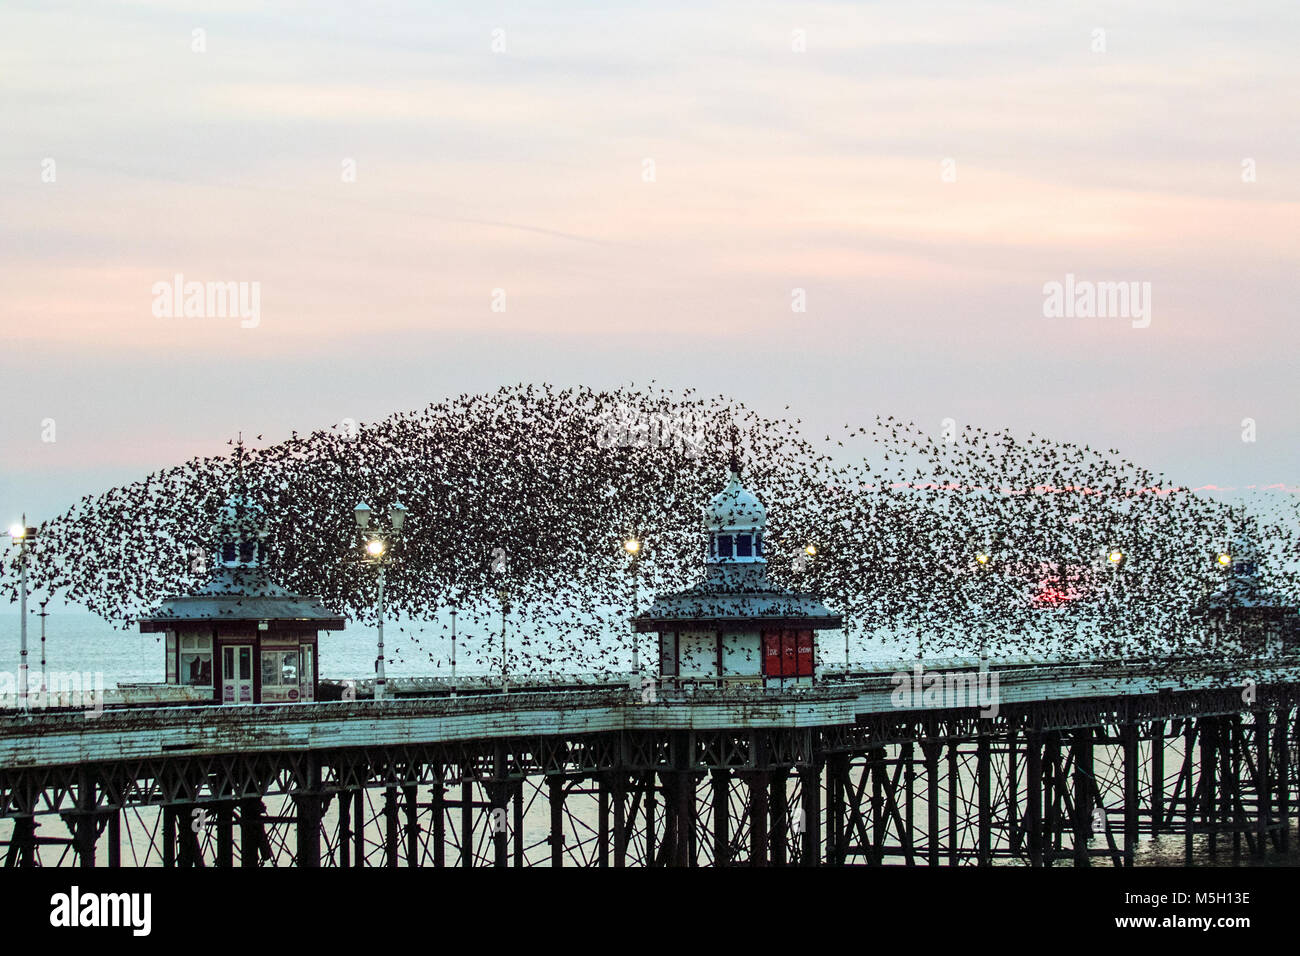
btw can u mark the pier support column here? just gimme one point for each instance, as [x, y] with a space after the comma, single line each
[517, 837]
[84, 829]
[466, 819]
[438, 817]
[778, 811]
[649, 788]
[1083, 784]
[250, 831]
[758, 784]
[1230, 779]
[359, 827]
[1263, 781]
[190, 821]
[169, 836]
[835, 773]
[685, 793]
[602, 818]
[390, 825]
[1054, 785]
[22, 845]
[308, 800]
[1190, 728]
[721, 835]
[411, 793]
[930, 749]
[879, 810]
[619, 796]
[115, 839]
[811, 820]
[500, 796]
[1034, 796]
[954, 795]
[983, 783]
[1157, 775]
[1131, 771]
[1209, 771]
[225, 834]
[345, 830]
[1282, 748]
[1015, 830]
[668, 845]
[555, 800]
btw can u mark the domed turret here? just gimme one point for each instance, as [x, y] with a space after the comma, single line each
[240, 533]
[735, 519]
[1244, 555]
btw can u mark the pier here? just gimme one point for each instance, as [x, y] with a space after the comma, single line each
[1079, 761]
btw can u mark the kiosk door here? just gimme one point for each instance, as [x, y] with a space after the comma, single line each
[237, 674]
[306, 673]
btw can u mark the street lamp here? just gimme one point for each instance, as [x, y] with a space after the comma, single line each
[1116, 558]
[504, 597]
[22, 534]
[453, 652]
[633, 548]
[983, 567]
[379, 549]
[43, 615]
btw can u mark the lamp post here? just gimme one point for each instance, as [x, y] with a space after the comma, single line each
[379, 546]
[22, 534]
[453, 652]
[633, 548]
[1116, 558]
[504, 596]
[983, 564]
[43, 615]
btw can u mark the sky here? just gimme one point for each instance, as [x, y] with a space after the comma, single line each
[850, 209]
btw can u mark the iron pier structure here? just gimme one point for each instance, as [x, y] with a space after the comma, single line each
[1078, 763]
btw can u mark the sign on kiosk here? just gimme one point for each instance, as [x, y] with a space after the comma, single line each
[788, 653]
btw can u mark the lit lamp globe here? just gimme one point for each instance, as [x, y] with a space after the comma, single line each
[1224, 559]
[362, 513]
[375, 548]
[632, 546]
[397, 516]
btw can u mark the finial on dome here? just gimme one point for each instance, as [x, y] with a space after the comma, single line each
[735, 453]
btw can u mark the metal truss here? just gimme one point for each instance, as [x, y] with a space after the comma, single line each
[1044, 784]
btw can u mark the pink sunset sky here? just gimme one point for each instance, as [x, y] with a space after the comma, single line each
[794, 146]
